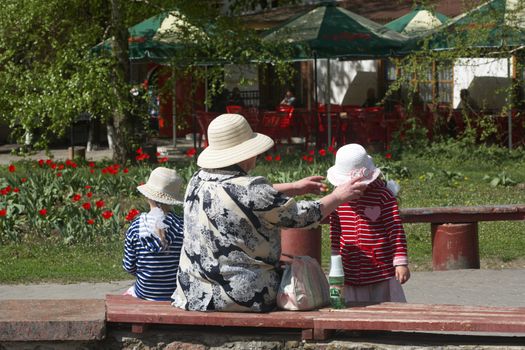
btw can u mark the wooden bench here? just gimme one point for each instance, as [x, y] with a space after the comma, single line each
[318, 325]
[454, 231]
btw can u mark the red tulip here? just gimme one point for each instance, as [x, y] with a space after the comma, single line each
[86, 205]
[388, 156]
[269, 158]
[3, 212]
[90, 221]
[191, 152]
[322, 152]
[76, 197]
[107, 214]
[42, 212]
[131, 214]
[89, 194]
[99, 203]
[277, 158]
[24, 179]
[12, 168]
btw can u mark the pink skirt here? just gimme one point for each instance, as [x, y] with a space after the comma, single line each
[387, 290]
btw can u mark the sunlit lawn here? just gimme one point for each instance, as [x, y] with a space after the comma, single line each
[434, 178]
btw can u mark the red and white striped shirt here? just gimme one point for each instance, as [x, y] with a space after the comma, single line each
[369, 235]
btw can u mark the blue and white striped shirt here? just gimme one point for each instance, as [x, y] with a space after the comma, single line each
[155, 268]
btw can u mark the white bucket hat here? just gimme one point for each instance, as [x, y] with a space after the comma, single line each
[231, 140]
[163, 186]
[352, 161]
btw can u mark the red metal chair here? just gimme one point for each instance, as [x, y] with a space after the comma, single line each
[270, 125]
[394, 121]
[375, 126]
[355, 131]
[234, 109]
[322, 128]
[204, 119]
[252, 116]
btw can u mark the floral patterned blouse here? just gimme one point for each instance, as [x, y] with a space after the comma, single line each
[232, 241]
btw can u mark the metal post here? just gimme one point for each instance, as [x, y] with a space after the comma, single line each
[509, 100]
[206, 88]
[316, 102]
[327, 102]
[174, 108]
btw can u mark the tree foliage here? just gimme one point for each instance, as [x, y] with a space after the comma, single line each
[49, 75]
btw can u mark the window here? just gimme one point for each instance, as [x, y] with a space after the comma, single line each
[435, 83]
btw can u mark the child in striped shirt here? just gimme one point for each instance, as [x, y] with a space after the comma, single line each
[368, 232]
[154, 239]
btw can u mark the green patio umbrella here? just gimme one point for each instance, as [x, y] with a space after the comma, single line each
[331, 31]
[158, 38]
[417, 22]
[496, 23]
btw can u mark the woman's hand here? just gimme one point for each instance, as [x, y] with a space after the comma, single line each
[349, 190]
[310, 184]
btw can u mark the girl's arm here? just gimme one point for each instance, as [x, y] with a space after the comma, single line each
[396, 233]
[311, 184]
[129, 262]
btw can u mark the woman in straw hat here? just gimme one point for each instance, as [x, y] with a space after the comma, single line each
[154, 239]
[367, 232]
[232, 241]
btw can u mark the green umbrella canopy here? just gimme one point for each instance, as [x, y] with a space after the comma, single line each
[157, 38]
[417, 22]
[496, 23]
[332, 31]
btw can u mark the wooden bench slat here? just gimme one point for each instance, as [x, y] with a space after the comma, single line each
[318, 324]
[131, 310]
[411, 324]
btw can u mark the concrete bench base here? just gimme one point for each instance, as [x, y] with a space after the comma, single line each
[318, 325]
[52, 320]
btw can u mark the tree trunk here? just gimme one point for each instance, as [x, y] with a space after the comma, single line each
[121, 120]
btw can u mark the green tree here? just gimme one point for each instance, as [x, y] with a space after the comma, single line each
[49, 76]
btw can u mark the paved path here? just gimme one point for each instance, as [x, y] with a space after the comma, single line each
[461, 287]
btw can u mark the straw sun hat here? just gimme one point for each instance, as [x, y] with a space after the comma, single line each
[352, 161]
[163, 186]
[231, 140]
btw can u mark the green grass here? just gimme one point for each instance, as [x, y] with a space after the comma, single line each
[44, 262]
[443, 175]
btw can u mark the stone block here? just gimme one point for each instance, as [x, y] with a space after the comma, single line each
[52, 320]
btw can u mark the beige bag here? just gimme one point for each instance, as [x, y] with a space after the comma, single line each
[304, 285]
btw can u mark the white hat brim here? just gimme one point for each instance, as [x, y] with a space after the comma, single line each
[219, 158]
[337, 179]
[157, 196]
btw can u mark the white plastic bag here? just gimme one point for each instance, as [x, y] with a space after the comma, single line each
[304, 285]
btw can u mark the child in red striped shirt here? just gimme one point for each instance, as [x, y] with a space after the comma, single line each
[368, 232]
